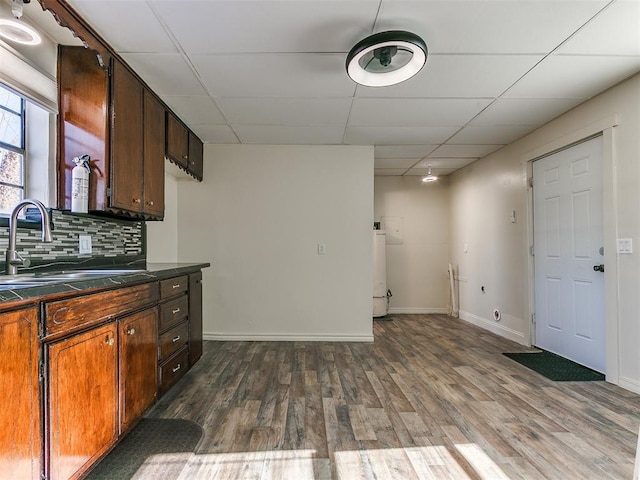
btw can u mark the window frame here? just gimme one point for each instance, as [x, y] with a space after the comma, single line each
[21, 150]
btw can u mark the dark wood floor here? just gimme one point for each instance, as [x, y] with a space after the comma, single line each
[431, 398]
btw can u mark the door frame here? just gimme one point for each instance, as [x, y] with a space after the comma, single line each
[606, 128]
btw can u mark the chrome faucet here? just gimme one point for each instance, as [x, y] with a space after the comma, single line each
[13, 258]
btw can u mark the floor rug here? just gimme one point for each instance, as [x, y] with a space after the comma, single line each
[555, 367]
[155, 448]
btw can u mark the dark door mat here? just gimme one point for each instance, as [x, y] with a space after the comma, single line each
[555, 367]
[155, 448]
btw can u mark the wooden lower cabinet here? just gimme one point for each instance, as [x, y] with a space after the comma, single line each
[195, 317]
[20, 407]
[138, 335]
[82, 399]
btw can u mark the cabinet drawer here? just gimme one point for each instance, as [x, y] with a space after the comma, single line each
[79, 312]
[173, 286]
[173, 340]
[173, 369]
[173, 312]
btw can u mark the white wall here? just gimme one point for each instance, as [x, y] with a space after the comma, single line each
[257, 218]
[162, 237]
[483, 193]
[416, 269]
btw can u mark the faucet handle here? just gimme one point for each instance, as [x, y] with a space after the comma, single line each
[17, 259]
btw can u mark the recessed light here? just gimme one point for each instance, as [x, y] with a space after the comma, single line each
[19, 32]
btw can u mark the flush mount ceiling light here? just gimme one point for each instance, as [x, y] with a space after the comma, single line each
[429, 177]
[17, 31]
[386, 58]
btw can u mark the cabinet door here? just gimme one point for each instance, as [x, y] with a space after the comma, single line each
[195, 317]
[82, 123]
[195, 155]
[20, 412]
[153, 156]
[138, 335]
[82, 400]
[177, 141]
[126, 140]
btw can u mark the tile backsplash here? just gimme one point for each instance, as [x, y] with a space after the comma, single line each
[109, 238]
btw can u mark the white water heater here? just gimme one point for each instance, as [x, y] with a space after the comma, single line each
[380, 299]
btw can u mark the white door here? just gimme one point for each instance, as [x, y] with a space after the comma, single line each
[568, 241]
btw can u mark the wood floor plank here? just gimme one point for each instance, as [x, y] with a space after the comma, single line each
[431, 398]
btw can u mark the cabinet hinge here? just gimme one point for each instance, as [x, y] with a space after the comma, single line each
[41, 371]
[533, 318]
[108, 192]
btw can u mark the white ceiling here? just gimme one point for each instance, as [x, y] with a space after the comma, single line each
[266, 71]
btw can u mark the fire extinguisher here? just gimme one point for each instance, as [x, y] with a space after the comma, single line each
[80, 184]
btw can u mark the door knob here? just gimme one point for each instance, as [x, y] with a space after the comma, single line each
[598, 268]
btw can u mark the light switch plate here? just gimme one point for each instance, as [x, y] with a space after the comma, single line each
[84, 244]
[322, 249]
[625, 246]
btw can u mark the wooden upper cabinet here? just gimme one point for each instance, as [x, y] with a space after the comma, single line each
[177, 147]
[120, 124]
[20, 450]
[195, 155]
[154, 134]
[127, 163]
[83, 123]
[82, 399]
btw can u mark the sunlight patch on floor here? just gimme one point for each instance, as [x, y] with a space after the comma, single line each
[429, 462]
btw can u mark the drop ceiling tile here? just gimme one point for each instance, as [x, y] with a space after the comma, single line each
[209, 133]
[388, 172]
[129, 26]
[414, 112]
[165, 73]
[615, 31]
[468, 151]
[397, 135]
[566, 76]
[403, 151]
[491, 26]
[275, 75]
[395, 162]
[268, 26]
[286, 111]
[289, 135]
[194, 109]
[491, 135]
[459, 76]
[445, 163]
[524, 111]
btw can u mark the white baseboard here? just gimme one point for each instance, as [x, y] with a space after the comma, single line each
[281, 337]
[629, 384]
[493, 327]
[412, 310]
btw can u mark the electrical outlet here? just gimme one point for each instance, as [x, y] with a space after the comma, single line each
[84, 244]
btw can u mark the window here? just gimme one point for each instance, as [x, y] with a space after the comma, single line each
[12, 149]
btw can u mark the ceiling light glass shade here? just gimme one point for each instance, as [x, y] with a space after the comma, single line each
[19, 32]
[386, 58]
[429, 177]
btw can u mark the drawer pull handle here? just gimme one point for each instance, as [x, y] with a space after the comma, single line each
[131, 331]
[175, 339]
[174, 370]
[175, 310]
[176, 286]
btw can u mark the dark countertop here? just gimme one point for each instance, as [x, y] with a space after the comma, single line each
[18, 296]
